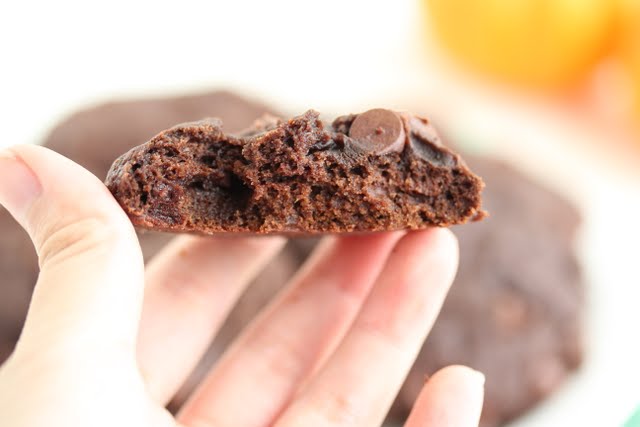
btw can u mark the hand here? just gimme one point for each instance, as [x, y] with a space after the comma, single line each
[332, 348]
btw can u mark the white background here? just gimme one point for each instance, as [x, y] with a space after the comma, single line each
[341, 56]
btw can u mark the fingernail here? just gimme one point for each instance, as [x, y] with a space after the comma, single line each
[19, 186]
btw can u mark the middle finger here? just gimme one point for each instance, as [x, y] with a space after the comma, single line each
[291, 337]
[191, 286]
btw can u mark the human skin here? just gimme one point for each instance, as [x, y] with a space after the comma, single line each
[107, 343]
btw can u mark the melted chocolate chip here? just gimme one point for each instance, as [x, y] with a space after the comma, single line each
[426, 143]
[379, 131]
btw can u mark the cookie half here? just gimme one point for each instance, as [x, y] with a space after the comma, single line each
[375, 171]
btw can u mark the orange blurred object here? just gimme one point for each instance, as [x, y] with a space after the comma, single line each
[541, 43]
[628, 45]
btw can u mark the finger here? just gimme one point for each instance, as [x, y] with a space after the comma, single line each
[292, 336]
[89, 291]
[452, 397]
[191, 286]
[358, 383]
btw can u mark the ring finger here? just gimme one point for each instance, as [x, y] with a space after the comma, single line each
[358, 383]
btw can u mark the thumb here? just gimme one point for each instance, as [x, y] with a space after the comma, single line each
[89, 291]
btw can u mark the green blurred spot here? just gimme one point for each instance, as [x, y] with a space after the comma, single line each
[471, 134]
[634, 421]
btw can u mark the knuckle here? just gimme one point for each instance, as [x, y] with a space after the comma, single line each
[61, 242]
[388, 334]
[281, 355]
[187, 286]
[396, 318]
[336, 409]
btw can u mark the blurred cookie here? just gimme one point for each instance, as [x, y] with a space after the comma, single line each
[18, 274]
[515, 309]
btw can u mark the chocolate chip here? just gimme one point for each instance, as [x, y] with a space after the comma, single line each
[379, 131]
[426, 143]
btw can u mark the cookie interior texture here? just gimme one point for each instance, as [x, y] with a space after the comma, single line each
[299, 176]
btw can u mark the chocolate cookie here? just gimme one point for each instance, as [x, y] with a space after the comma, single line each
[374, 171]
[94, 138]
